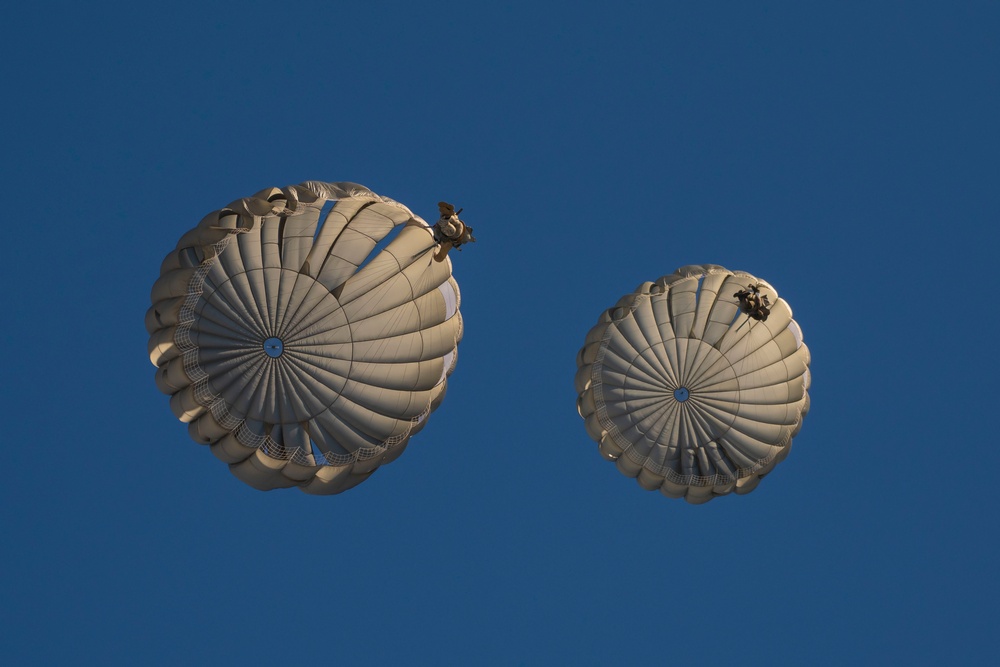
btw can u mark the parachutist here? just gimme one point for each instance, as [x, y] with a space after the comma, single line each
[449, 231]
[753, 303]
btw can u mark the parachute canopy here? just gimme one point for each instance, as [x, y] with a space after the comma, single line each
[305, 333]
[686, 393]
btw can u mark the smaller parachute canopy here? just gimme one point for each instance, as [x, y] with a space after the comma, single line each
[695, 384]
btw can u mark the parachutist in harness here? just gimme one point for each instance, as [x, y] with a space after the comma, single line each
[753, 303]
[449, 231]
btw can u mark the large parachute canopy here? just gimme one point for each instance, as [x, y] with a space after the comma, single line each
[305, 333]
[686, 392]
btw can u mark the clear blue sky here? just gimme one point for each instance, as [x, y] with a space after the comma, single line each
[845, 152]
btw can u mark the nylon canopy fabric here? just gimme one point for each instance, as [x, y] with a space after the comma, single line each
[302, 351]
[685, 393]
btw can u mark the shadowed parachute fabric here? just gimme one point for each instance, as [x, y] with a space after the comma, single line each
[687, 394]
[305, 333]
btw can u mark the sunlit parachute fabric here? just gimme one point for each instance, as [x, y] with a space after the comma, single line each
[687, 394]
[299, 353]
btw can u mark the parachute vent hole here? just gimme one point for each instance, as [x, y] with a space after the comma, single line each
[273, 347]
[681, 394]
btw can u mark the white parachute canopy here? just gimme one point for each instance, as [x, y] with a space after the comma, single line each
[686, 393]
[301, 353]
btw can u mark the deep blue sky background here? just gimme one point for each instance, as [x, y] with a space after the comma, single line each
[848, 153]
